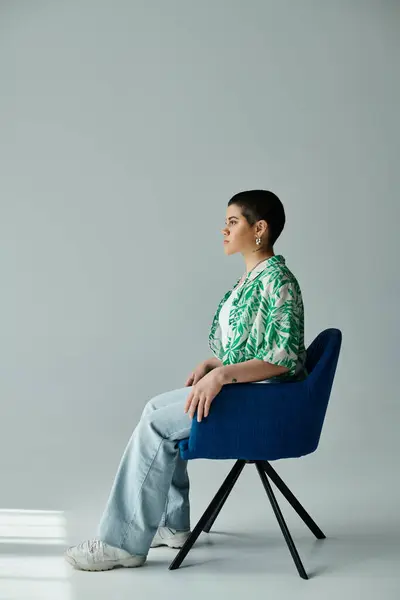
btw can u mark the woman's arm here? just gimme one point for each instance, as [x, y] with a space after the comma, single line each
[250, 370]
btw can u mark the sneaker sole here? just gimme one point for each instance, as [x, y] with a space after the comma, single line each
[171, 544]
[106, 565]
[174, 546]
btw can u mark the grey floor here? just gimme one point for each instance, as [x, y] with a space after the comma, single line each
[244, 553]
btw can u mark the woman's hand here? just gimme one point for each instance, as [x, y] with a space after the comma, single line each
[202, 369]
[203, 393]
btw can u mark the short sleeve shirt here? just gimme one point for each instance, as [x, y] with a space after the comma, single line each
[266, 320]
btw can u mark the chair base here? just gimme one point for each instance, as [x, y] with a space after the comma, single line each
[264, 470]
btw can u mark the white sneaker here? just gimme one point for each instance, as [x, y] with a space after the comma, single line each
[95, 555]
[167, 536]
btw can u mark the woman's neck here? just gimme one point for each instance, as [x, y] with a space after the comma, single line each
[255, 258]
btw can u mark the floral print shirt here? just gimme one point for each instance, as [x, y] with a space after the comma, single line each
[266, 320]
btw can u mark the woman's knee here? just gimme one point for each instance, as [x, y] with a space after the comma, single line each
[154, 403]
[149, 407]
[166, 399]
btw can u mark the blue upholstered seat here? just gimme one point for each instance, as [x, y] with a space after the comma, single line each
[269, 422]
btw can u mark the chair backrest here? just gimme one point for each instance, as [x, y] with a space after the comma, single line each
[321, 363]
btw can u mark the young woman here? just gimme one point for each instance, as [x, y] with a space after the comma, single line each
[257, 335]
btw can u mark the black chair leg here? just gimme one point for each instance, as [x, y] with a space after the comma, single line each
[211, 521]
[291, 498]
[281, 520]
[215, 502]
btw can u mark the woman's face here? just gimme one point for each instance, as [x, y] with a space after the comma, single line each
[239, 236]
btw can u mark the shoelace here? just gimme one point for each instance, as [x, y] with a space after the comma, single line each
[92, 545]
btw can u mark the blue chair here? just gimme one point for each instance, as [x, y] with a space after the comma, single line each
[257, 423]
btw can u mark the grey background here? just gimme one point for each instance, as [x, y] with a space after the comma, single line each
[125, 129]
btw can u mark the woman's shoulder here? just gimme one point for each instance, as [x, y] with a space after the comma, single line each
[278, 276]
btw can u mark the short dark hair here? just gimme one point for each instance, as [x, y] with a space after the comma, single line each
[257, 205]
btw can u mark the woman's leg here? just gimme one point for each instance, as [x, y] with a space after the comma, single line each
[139, 493]
[177, 507]
[176, 512]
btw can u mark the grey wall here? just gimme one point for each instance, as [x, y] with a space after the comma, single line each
[125, 129]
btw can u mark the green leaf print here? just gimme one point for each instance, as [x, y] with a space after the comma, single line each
[266, 320]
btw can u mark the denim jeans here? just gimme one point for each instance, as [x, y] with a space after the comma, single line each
[151, 487]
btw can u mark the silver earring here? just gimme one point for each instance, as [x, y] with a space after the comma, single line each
[258, 241]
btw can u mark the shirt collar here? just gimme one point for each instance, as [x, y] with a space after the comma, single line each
[271, 261]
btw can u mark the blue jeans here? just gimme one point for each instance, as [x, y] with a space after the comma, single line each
[151, 487]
